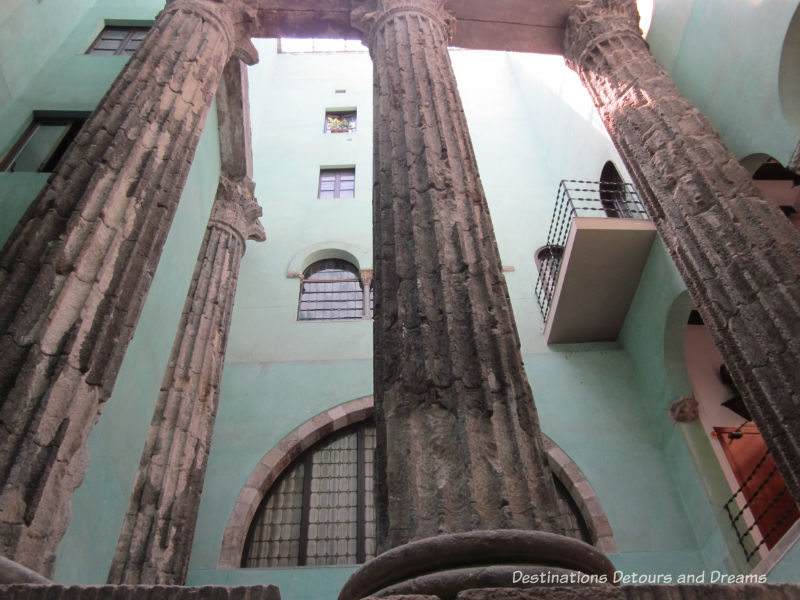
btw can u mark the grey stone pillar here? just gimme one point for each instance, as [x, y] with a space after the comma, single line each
[737, 253]
[158, 529]
[459, 446]
[75, 272]
[794, 161]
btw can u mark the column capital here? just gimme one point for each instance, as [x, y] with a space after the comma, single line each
[369, 15]
[232, 17]
[594, 21]
[367, 276]
[236, 208]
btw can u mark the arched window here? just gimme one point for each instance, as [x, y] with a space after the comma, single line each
[320, 511]
[548, 261]
[612, 193]
[331, 290]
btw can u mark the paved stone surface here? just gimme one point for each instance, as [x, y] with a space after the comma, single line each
[156, 539]
[459, 446]
[640, 592]
[76, 270]
[737, 253]
[129, 592]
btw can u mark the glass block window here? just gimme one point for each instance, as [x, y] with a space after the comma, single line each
[44, 142]
[337, 183]
[321, 510]
[330, 290]
[340, 121]
[118, 41]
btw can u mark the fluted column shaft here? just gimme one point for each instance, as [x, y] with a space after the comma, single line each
[75, 272]
[459, 446]
[737, 253]
[157, 533]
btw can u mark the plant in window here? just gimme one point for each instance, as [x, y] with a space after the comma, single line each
[338, 124]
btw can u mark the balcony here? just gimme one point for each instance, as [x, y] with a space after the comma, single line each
[597, 246]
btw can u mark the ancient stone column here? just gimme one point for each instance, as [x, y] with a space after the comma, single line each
[75, 272]
[158, 529]
[459, 446]
[737, 253]
[794, 162]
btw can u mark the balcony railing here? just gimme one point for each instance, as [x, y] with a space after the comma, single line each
[580, 199]
[762, 509]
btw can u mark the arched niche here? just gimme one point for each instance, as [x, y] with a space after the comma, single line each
[789, 74]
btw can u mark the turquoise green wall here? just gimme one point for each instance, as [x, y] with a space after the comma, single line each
[735, 84]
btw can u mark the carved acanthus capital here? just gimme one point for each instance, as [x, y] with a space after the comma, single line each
[369, 15]
[236, 208]
[235, 17]
[594, 21]
[367, 276]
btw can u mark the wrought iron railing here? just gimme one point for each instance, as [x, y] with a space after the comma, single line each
[762, 509]
[577, 198]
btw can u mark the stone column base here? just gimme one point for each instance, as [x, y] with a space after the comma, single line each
[137, 592]
[445, 565]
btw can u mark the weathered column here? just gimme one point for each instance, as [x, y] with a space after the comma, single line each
[459, 446]
[75, 272]
[737, 253]
[158, 529]
[794, 162]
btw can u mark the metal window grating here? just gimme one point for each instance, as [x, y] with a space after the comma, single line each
[321, 510]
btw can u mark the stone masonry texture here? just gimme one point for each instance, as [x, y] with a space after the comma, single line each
[737, 253]
[459, 446]
[75, 272]
[139, 592]
[157, 533]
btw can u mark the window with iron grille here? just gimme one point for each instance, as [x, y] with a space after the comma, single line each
[340, 121]
[118, 40]
[331, 290]
[320, 511]
[337, 183]
[43, 142]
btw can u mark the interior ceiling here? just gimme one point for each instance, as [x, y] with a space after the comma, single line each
[514, 25]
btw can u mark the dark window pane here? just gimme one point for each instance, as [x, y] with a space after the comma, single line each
[118, 40]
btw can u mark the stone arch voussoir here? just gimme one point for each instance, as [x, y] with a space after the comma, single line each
[273, 464]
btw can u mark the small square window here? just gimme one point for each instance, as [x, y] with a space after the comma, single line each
[118, 41]
[43, 143]
[340, 121]
[337, 183]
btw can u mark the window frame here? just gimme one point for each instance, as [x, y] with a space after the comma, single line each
[338, 174]
[307, 278]
[74, 120]
[124, 48]
[348, 115]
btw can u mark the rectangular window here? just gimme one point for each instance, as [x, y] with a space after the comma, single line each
[118, 40]
[337, 183]
[44, 142]
[302, 45]
[340, 121]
